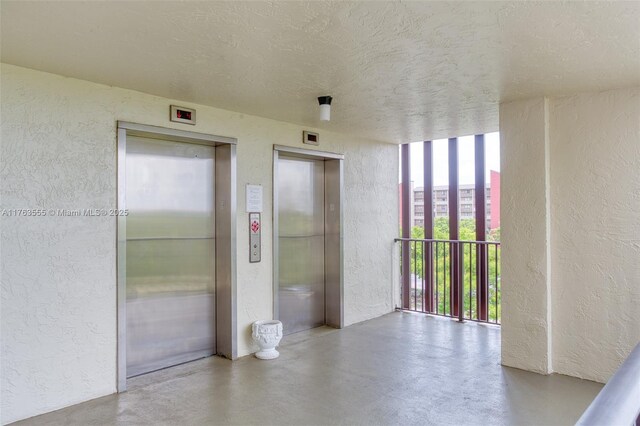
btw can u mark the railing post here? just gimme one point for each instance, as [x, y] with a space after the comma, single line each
[428, 271]
[460, 281]
[482, 281]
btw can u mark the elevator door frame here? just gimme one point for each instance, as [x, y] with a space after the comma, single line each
[225, 228]
[334, 250]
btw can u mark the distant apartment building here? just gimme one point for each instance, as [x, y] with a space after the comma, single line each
[495, 199]
[466, 202]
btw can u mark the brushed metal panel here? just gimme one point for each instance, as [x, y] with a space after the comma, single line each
[174, 135]
[167, 196]
[169, 266]
[302, 304]
[301, 243]
[333, 243]
[226, 309]
[275, 296]
[311, 154]
[168, 330]
[170, 253]
[121, 263]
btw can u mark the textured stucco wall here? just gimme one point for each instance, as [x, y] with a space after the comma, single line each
[524, 235]
[571, 232]
[58, 274]
[595, 223]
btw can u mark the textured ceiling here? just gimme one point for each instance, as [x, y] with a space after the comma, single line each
[398, 71]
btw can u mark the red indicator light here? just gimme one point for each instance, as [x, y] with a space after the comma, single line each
[182, 115]
[185, 115]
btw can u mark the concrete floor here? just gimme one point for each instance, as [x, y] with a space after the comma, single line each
[398, 369]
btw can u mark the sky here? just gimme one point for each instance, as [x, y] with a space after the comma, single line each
[466, 158]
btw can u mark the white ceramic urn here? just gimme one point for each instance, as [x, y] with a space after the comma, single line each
[267, 335]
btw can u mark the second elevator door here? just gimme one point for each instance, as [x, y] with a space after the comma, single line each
[301, 240]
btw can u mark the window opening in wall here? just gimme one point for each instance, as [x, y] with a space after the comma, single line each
[451, 227]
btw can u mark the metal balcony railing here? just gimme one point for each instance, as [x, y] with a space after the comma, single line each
[618, 403]
[451, 278]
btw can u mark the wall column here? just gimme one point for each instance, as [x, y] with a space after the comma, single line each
[428, 224]
[482, 296]
[525, 235]
[406, 224]
[454, 228]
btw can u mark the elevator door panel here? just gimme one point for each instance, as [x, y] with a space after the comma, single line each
[170, 253]
[301, 244]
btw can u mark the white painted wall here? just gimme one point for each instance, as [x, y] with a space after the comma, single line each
[58, 274]
[595, 223]
[592, 196]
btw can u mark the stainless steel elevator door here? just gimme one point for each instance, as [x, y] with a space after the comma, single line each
[170, 253]
[301, 236]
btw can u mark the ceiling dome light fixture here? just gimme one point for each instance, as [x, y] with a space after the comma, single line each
[325, 107]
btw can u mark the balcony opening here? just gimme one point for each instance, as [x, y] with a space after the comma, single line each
[450, 227]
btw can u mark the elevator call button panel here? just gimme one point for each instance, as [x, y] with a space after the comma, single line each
[255, 231]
